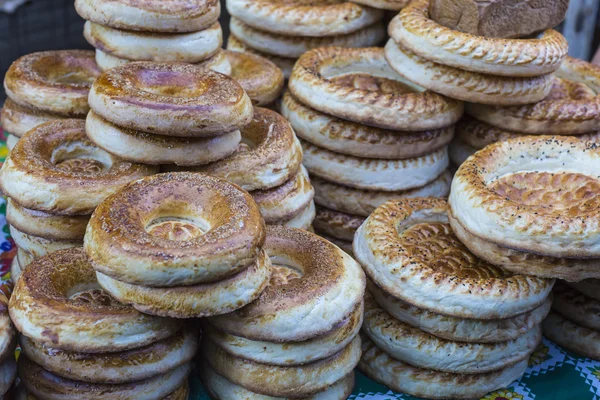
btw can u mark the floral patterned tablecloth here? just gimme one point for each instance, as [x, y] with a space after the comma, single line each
[553, 373]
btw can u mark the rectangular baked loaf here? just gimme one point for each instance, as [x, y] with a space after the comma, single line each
[498, 18]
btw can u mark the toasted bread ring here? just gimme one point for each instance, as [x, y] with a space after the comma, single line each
[467, 85]
[166, 99]
[572, 336]
[284, 63]
[260, 78]
[18, 120]
[53, 81]
[505, 201]
[39, 246]
[344, 245]
[15, 270]
[430, 384]
[8, 334]
[325, 294]
[195, 301]
[313, 83]
[391, 5]
[151, 16]
[295, 46]
[290, 353]
[576, 306]
[55, 168]
[43, 384]
[302, 18]
[57, 302]
[181, 393]
[289, 381]
[191, 47]
[220, 388]
[413, 28]
[337, 224]
[146, 148]
[302, 220]
[204, 229]
[359, 140]
[407, 248]
[374, 174]
[24, 258]
[270, 156]
[363, 202]
[116, 367]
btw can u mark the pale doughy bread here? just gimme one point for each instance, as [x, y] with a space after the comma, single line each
[303, 219]
[519, 262]
[290, 353]
[18, 120]
[147, 148]
[295, 46]
[57, 302]
[430, 384]
[359, 85]
[204, 228]
[260, 78]
[284, 63]
[459, 151]
[56, 82]
[290, 381]
[571, 108]
[45, 225]
[117, 367]
[107, 61]
[536, 194]
[8, 334]
[408, 249]
[268, 156]
[24, 258]
[15, 270]
[55, 168]
[372, 173]
[589, 287]
[11, 141]
[165, 99]
[45, 385]
[284, 202]
[336, 223]
[39, 246]
[363, 202]
[466, 85]
[391, 5]
[576, 307]
[414, 29]
[405, 343]
[153, 15]
[304, 17]
[195, 301]
[189, 47]
[460, 329]
[573, 337]
[220, 388]
[8, 373]
[328, 286]
[360, 140]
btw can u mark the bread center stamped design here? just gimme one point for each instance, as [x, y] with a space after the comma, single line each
[372, 83]
[282, 275]
[85, 166]
[95, 297]
[569, 192]
[172, 228]
[435, 245]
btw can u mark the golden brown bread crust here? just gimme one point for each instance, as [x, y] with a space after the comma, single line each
[466, 85]
[284, 63]
[574, 337]
[391, 5]
[342, 244]
[18, 120]
[55, 168]
[8, 334]
[57, 302]
[337, 224]
[53, 81]
[175, 229]
[576, 306]
[315, 81]
[159, 98]
[180, 394]
[260, 78]
[268, 156]
[414, 29]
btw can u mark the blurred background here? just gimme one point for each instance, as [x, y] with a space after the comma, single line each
[27, 26]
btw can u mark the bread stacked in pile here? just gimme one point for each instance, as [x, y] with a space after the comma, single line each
[283, 30]
[162, 32]
[439, 321]
[78, 342]
[299, 339]
[45, 86]
[367, 136]
[8, 341]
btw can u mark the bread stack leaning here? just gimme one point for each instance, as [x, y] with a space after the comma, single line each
[54, 178]
[8, 341]
[186, 32]
[299, 339]
[283, 31]
[439, 321]
[367, 136]
[77, 342]
[45, 86]
[570, 109]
